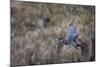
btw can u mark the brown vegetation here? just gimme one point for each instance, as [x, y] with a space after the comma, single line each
[36, 26]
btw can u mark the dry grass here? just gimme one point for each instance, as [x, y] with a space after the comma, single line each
[36, 26]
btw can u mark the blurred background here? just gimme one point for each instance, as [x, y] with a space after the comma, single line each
[35, 28]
